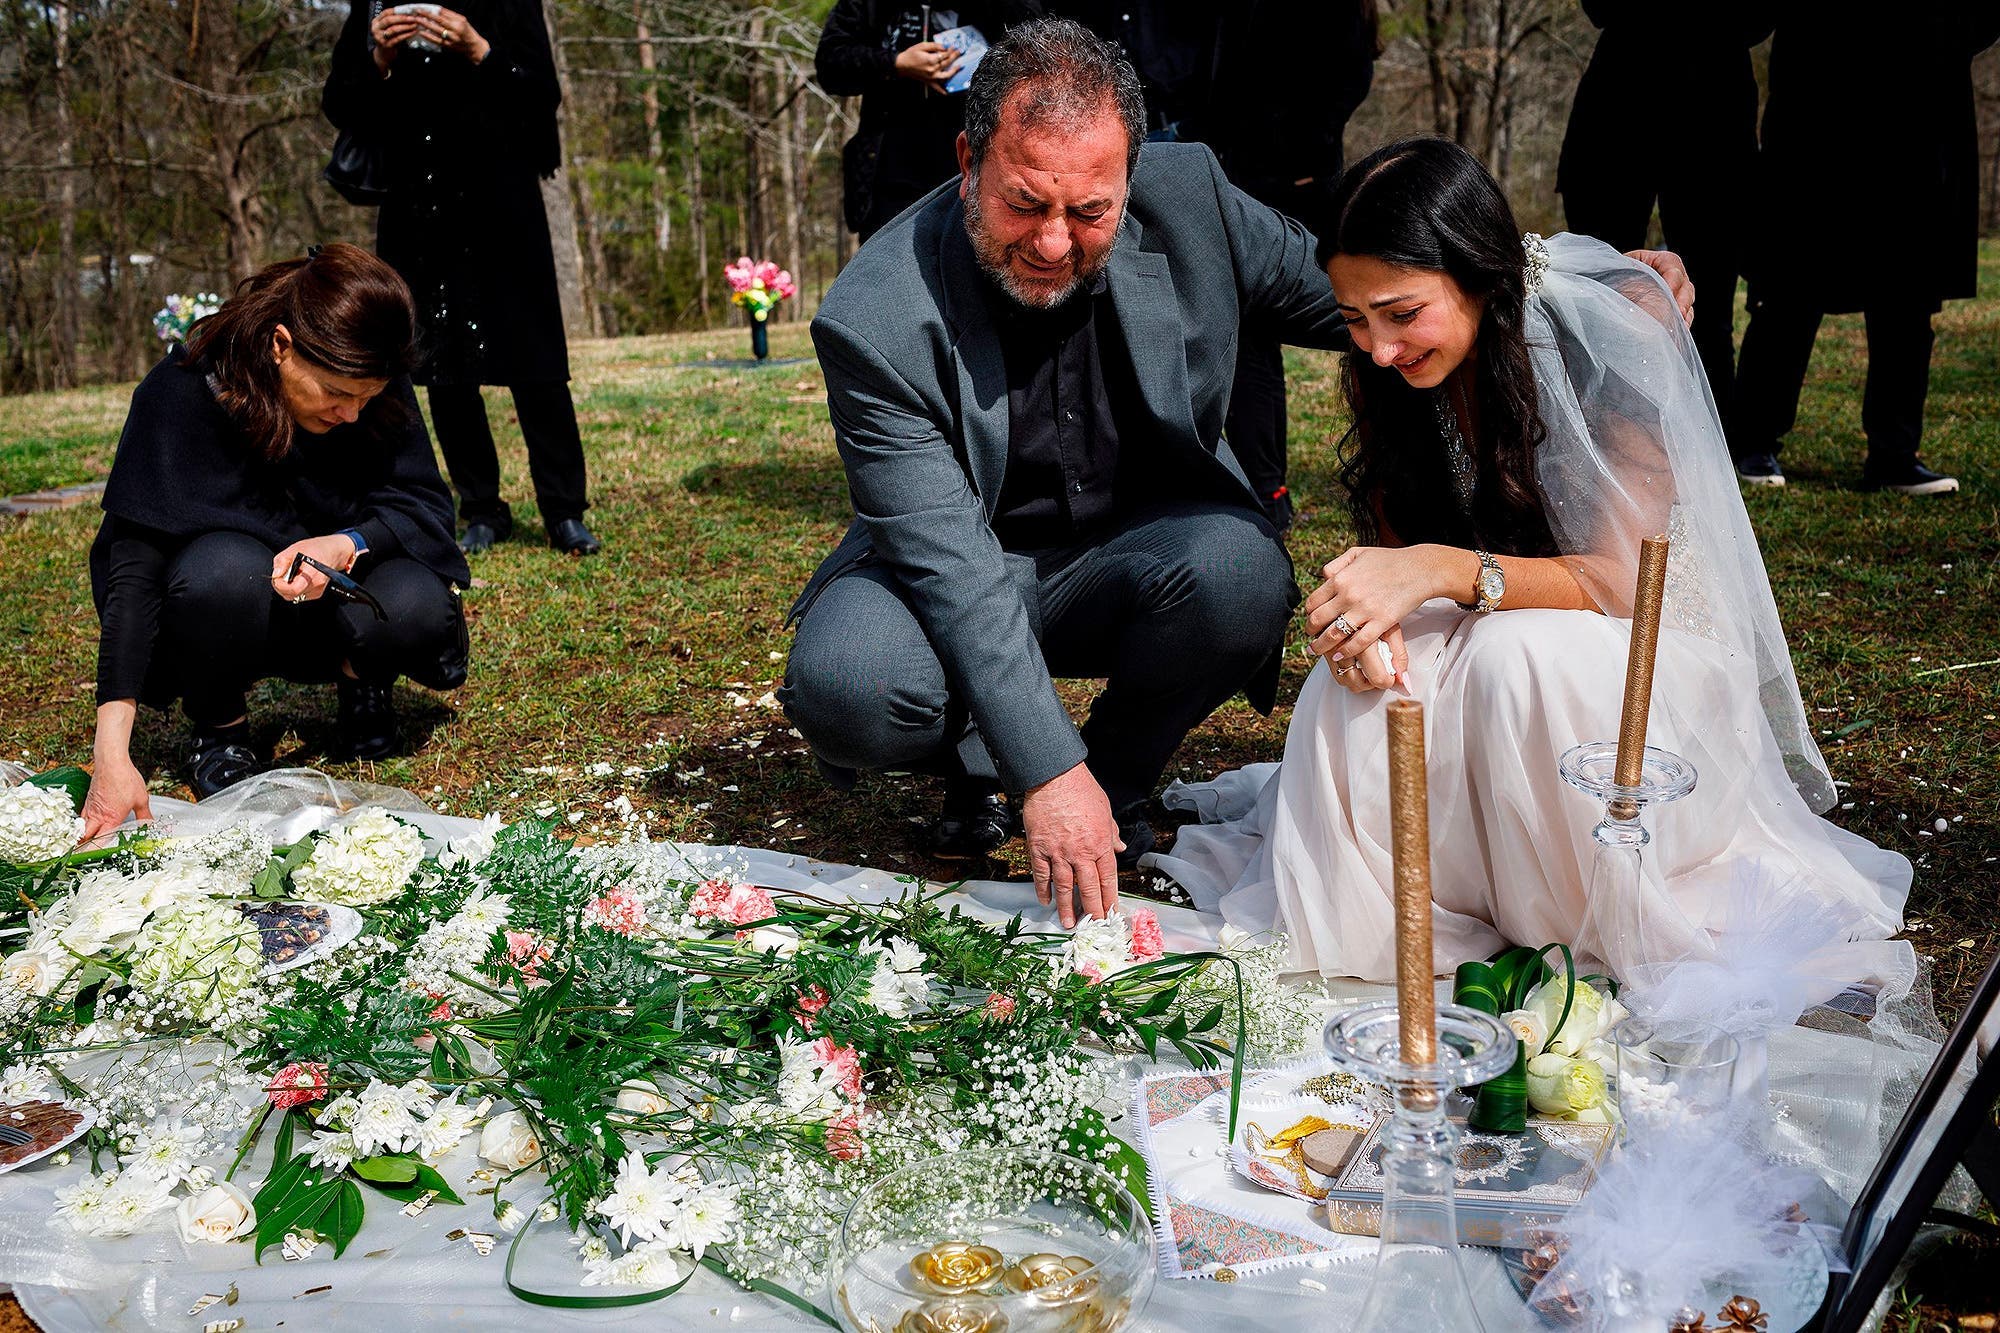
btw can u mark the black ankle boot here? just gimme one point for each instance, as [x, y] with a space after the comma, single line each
[219, 758]
[976, 821]
[366, 725]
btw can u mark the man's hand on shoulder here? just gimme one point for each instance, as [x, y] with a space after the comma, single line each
[1073, 844]
[1669, 266]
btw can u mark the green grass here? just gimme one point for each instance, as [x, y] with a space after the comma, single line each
[717, 490]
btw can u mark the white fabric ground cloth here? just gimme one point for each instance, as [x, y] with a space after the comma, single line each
[403, 1272]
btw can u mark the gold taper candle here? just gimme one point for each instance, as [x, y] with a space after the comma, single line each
[1410, 840]
[1646, 602]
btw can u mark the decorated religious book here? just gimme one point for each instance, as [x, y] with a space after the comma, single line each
[971, 45]
[1328, 1152]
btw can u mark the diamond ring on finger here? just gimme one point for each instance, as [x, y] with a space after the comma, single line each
[1344, 625]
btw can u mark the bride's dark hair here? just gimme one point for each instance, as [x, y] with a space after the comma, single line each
[1428, 204]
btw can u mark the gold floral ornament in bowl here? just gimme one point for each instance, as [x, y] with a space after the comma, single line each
[955, 1266]
[1008, 1240]
[954, 1316]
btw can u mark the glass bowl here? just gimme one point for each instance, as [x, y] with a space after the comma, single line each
[1005, 1239]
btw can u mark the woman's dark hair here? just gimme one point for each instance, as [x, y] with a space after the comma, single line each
[346, 311]
[1428, 204]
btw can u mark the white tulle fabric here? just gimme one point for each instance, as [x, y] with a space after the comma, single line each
[1634, 448]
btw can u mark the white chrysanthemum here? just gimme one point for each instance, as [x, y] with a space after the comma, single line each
[197, 956]
[466, 852]
[707, 1216]
[807, 1090]
[648, 1264]
[481, 914]
[113, 1204]
[164, 1150]
[333, 1153]
[23, 1082]
[643, 1202]
[106, 909]
[448, 1123]
[899, 986]
[366, 860]
[1097, 948]
[382, 1120]
[36, 824]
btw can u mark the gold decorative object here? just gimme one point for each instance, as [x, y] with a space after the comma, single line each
[298, 1244]
[1689, 1320]
[954, 1266]
[1225, 1275]
[1098, 1316]
[418, 1204]
[1744, 1315]
[953, 1316]
[1410, 826]
[1647, 600]
[207, 1299]
[1058, 1277]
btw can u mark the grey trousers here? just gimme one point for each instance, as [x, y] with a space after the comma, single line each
[1177, 608]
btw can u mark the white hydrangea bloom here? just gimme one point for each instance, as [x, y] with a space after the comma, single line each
[366, 860]
[197, 957]
[227, 860]
[36, 824]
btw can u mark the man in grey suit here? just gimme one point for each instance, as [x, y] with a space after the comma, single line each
[1027, 374]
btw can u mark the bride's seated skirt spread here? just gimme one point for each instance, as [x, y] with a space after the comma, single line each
[1306, 848]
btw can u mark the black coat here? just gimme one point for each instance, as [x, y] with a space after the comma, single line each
[1669, 94]
[906, 142]
[465, 146]
[1869, 168]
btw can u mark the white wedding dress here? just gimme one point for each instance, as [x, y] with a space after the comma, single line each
[1633, 447]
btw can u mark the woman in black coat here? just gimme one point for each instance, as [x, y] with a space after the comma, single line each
[285, 432]
[1869, 191]
[462, 103]
[881, 52]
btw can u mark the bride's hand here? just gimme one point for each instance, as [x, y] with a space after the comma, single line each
[1368, 590]
[1384, 666]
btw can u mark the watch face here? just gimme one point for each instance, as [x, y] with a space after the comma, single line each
[1492, 584]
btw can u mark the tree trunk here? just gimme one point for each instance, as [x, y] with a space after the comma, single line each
[561, 204]
[697, 206]
[1437, 14]
[789, 179]
[656, 148]
[67, 329]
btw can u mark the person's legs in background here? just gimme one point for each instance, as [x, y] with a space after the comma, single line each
[1255, 424]
[1770, 374]
[458, 415]
[555, 463]
[1900, 339]
[1699, 217]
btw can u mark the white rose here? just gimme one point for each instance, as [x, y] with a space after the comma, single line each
[218, 1214]
[31, 972]
[641, 1097]
[781, 939]
[509, 1141]
[1530, 1027]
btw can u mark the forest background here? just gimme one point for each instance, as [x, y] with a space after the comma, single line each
[156, 146]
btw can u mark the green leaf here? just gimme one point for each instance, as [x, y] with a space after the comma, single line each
[426, 1179]
[282, 1182]
[1208, 1020]
[387, 1169]
[69, 778]
[281, 1144]
[348, 1213]
[301, 1211]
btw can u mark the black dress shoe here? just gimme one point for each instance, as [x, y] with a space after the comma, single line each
[1911, 478]
[366, 725]
[572, 538]
[1138, 837]
[976, 822]
[481, 535]
[219, 758]
[1760, 470]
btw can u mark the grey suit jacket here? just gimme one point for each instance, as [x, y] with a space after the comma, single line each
[917, 391]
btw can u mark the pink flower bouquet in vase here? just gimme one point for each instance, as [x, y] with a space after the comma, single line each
[758, 286]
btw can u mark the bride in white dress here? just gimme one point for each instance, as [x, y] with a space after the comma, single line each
[1525, 412]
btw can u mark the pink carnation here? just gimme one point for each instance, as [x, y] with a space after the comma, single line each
[811, 1001]
[526, 952]
[737, 904]
[296, 1085]
[843, 1136]
[844, 1061]
[618, 911]
[1091, 972]
[998, 1008]
[1147, 943]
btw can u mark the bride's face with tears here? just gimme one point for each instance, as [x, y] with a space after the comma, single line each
[1417, 322]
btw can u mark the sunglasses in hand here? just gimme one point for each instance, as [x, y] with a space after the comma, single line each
[337, 583]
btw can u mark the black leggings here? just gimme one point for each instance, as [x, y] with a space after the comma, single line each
[222, 628]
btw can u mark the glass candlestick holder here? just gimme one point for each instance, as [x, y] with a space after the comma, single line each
[1419, 1282]
[1620, 928]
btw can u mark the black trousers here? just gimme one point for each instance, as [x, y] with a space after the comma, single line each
[555, 451]
[1702, 220]
[1777, 348]
[1177, 607]
[222, 629]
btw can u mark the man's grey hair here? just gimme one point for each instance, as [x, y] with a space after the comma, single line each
[1065, 74]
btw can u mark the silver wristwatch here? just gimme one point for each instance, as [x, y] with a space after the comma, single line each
[1492, 584]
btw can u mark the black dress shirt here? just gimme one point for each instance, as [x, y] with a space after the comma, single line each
[1067, 379]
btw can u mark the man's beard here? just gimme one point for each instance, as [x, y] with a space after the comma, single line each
[993, 256]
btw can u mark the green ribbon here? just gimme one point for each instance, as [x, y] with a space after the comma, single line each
[1496, 986]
